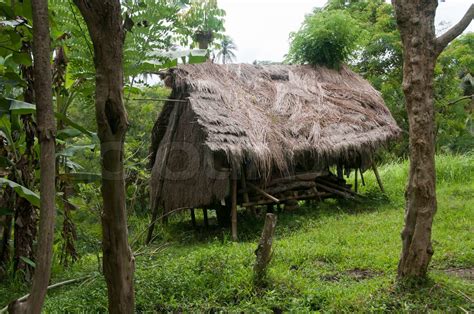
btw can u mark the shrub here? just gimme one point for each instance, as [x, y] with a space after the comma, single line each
[325, 38]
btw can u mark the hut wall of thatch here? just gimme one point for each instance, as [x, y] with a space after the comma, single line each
[186, 165]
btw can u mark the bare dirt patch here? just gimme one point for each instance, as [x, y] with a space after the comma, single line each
[465, 273]
[356, 274]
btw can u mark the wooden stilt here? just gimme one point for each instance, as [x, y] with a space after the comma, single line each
[259, 190]
[356, 185]
[379, 181]
[340, 172]
[234, 210]
[246, 194]
[362, 177]
[193, 217]
[206, 221]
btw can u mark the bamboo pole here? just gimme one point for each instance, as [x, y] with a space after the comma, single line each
[335, 191]
[356, 185]
[319, 195]
[362, 177]
[234, 210]
[379, 181]
[206, 220]
[56, 285]
[193, 217]
[340, 171]
[259, 190]
[336, 186]
[246, 194]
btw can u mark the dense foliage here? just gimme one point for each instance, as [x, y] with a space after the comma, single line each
[325, 38]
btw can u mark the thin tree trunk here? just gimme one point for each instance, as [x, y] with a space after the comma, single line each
[264, 249]
[46, 136]
[104, 22]
[415, 19]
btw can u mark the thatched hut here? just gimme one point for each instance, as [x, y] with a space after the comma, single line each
[241, 133]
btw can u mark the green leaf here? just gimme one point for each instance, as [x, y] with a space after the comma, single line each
[20, 107]
[28, 261]
[22, 191]
[22, 58]
[68, 133]
[73, 124]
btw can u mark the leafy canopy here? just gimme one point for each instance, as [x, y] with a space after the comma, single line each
[325, 38]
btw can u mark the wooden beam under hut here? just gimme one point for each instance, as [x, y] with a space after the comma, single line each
[318, 195]
[335, 191]
[234, 210]
[322, 182]
[283, 187]
[245, 193]
[340, 171]
[206, 219]
[379, 181]
[259, 190]
[356, 184]
[306, 176]
[362, 177]
[193, 217]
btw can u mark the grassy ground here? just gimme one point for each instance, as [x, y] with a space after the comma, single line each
[334, 256]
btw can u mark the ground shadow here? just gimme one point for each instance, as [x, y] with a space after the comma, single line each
[180, 229]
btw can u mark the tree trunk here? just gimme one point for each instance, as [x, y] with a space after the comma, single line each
[104, 22]
[264, 249]
[415, 19]
[46, 136]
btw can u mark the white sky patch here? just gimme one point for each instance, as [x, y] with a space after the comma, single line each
[260, 28]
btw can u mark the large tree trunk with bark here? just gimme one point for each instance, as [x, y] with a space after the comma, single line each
[46, 135]
[104, 22]
[415, 19]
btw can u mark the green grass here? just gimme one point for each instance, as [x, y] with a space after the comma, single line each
[335, 256]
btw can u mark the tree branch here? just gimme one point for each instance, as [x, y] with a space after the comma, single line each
[443, 40]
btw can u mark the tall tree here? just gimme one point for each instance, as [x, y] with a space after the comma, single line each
[421, 47]
[104, 22]
[46, 135]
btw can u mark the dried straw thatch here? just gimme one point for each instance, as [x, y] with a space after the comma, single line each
[268, 118]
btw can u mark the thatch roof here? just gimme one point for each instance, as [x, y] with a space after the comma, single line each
[272, 114]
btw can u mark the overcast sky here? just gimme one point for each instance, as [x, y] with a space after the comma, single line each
[260, 28]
